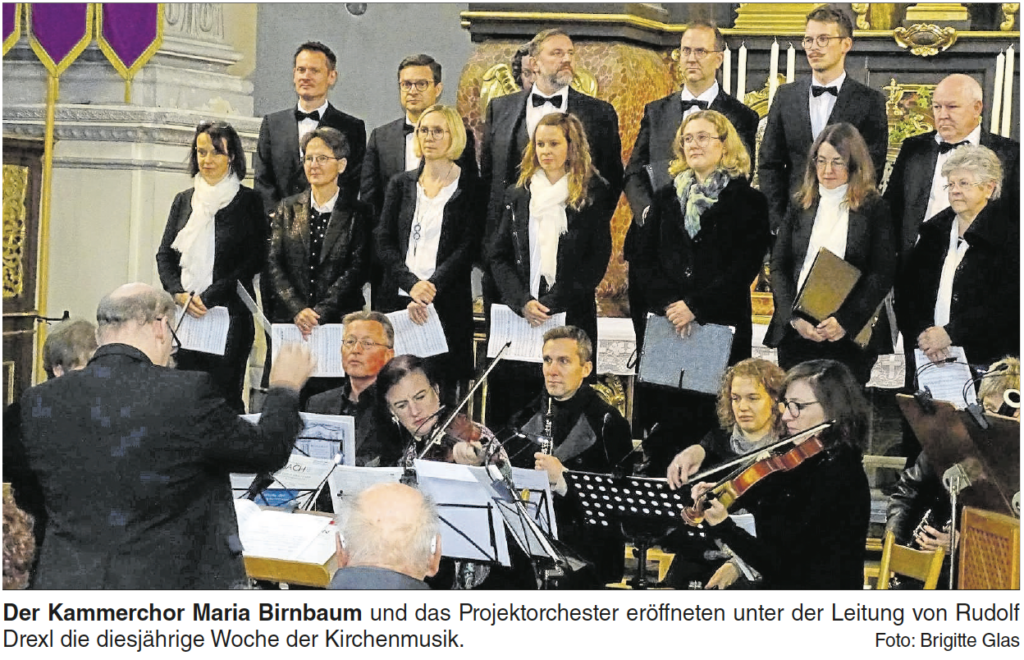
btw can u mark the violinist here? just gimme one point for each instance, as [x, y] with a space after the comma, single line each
[413, 398]
[569, 427]
[812, 520]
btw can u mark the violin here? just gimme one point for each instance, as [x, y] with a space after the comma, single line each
[460, 429]
[739, 483]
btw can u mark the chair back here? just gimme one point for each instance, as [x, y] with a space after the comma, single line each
[901, 560]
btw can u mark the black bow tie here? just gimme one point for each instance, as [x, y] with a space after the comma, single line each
[818, 90]
[407, 128]
[946, 147]
[539, 100]
[687, 104]
[300, 115]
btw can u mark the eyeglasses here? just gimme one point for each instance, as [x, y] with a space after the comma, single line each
[418, 85]
[366, 344]
[698, 53]
[835, 163]
[960, 185]
[700, 139]
[175, 342]
[319, 159]
[821, 41]
[434, 133]
[794, 407]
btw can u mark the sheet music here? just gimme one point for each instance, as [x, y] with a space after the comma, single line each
[616, 344]
[324, 342]
[257, 313]
[348, 481]
[946, 380]
[527, 341]
[419, 340]
[208, 334]
[281, 535]
[321, 437]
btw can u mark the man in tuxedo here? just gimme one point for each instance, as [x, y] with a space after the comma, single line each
[916, 189]
[511, 119]
[390, 149]
[700, 57]
[134, 458]
[802, 109]
[277, 161]
[367, 345]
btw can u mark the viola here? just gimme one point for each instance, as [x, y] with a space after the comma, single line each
[460, 429]
[736, 485]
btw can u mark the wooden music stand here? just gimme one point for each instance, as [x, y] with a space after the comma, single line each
[989, 550]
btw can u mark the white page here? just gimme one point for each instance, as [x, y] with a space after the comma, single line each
[278, 534]
[419, 340]
[257, 313]
[321, 437]
[208, 334]
[527, 342]
[616, 343]
[946, 380]
[324, 342]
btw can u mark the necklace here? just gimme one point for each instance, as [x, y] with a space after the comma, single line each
[433, 187]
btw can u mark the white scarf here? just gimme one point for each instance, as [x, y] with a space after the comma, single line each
[954, 255]
[195, 241]
[547, 209]
[830, 230]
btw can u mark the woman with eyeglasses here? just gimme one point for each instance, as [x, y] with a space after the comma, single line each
[838, 209]
[812, 520]
[960, 283]
[215, 236]
[319, 241]
[427, 236]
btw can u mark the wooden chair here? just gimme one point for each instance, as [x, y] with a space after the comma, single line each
[901, 560]
[989, 550]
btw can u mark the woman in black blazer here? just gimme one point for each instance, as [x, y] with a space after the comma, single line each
[552, 245]
[215, 237]
[698, 263]
[839, 209]
[977, 306]
[429, 228]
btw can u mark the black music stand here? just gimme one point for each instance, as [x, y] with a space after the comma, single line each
[643, 506]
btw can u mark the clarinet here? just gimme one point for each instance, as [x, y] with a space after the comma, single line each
[927, 519]
[549, 419]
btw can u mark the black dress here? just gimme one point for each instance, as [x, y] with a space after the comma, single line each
[240, 241]
[462, 224]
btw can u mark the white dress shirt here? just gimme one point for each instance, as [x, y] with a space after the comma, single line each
[938, 198]
[831, 227]
[411, 161]
[308, 125]
[821, 106]
[534, 115]
[954, 255]
[421, 257]
[708, 95]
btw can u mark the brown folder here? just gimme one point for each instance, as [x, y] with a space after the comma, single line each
[826, 288]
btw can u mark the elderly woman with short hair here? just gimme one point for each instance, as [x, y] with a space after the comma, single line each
[960, 283]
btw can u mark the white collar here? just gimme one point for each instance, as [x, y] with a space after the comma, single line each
[974, 137]
[837, 83]
[708, 95]
[326, 208]
[564, 93]
[322, 109]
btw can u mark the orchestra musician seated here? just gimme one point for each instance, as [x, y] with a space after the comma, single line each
[812, 516]
[918, 514]
[582, 433]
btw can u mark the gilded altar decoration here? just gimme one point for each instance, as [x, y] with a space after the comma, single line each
[15, 189]
[498, 81]
[1010, 10]
[925, 40]
[909, 108]
[611, 390]
[861, 10]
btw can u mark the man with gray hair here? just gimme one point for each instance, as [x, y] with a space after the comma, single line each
[367, 344]
[390, 539]
[68, 347]
[916, 189]
[145, 501]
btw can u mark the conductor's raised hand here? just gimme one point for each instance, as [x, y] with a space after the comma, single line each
[293, 366]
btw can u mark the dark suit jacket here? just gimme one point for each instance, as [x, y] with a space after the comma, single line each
[240, 243]
[910, 182]
[372, 577]
[505, 138]
[134, 461]
[658, 131]
[583, 253]
[279, 172]
[461, 226]
[385, 157]
[338, 289]
[711, 272]
[984, 313]
[787, 137]
[869, 246]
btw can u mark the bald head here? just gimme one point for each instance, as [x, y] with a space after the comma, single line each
[137, 314]
[392, 526]
[956, 106]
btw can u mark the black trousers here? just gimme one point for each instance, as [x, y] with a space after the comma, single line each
[228, 370]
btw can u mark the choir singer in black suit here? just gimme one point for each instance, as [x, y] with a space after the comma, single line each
[428, 233]
[802, 109]
[146, 501]
[215, 237]
[839, 209]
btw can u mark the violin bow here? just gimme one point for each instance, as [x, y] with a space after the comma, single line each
[438, 433]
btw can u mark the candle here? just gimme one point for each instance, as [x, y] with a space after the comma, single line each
[727, 71]
[790, 63]
[1007, 114]
[997, 93]
[741, 73]
[773, 72]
